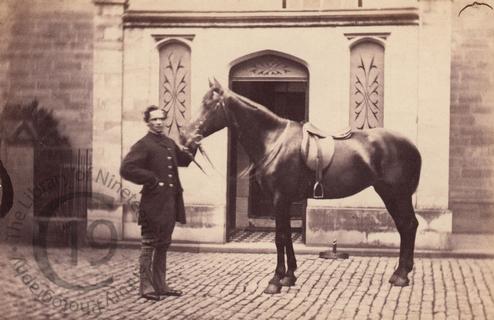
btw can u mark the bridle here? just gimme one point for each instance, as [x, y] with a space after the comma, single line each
[200, 136]
[192, 158]
[231, 121]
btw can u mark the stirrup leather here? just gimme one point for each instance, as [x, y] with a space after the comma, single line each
[317, 151]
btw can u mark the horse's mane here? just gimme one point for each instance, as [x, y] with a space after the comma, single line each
[266, 161]
[256, 106]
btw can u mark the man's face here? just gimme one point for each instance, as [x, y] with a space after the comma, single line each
[156, 121]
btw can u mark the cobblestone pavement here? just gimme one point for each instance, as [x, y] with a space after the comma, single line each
[230, 285]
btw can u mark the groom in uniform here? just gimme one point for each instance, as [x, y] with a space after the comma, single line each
[152, 162]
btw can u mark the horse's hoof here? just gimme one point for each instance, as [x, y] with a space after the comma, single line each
[399, 281]
[288, 281]
[393, 278]
[272, 289]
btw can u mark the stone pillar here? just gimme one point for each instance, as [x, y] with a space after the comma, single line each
[104, 220]
[434, 103]
[471, 195]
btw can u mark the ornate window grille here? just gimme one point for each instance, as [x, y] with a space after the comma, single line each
[174, 87]
[366, 84]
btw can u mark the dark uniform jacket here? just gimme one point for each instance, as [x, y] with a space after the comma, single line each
[153, 161]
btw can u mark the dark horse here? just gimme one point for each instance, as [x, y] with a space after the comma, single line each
[376, 157]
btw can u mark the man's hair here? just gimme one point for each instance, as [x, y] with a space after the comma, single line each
[149, 109]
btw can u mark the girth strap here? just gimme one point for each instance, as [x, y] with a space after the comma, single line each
[318, 191]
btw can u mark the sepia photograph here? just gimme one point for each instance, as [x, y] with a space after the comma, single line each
[247, 159]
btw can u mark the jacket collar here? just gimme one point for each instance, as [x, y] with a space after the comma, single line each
[160, 139]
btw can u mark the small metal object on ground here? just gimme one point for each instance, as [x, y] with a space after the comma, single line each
[332, 254]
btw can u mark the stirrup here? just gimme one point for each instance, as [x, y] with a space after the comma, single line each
[318, 191]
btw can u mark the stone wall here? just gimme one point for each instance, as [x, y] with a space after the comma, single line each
[46, 53]
[107, 117]
[471, 182]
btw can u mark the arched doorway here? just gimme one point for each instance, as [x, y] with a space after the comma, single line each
[280, 83]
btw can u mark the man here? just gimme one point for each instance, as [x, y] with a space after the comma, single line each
[152, 162]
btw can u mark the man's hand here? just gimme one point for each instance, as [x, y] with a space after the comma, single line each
[193, 141]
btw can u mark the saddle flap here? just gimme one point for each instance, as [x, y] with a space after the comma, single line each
[317, 154]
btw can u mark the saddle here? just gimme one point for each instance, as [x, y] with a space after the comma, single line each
[317, 150]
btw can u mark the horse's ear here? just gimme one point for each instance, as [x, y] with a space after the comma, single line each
[218, 85]
[210, 83]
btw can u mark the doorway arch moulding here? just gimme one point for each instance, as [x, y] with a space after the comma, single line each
[268, 65]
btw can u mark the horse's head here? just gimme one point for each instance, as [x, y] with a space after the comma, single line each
[210, 118]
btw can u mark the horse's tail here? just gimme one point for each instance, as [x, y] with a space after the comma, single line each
[7, 191]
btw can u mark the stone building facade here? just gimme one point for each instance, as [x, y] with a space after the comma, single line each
[170, 50]
[100, 62]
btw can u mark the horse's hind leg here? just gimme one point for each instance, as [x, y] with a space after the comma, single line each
[401, 209]
[407, 224]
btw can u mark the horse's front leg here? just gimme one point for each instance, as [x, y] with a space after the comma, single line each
[281, 215]
[289, 279]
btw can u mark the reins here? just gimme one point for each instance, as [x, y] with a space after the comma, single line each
[200, 148]
[191, 156]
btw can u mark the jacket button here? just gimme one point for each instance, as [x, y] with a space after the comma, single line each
[171, 185]
[169, 158]
[170, 175]
[169, 167]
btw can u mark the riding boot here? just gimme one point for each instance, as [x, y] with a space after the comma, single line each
[146, 287]
[159, 274]
[159, 269]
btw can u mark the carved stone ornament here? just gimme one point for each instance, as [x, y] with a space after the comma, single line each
[269, 66]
